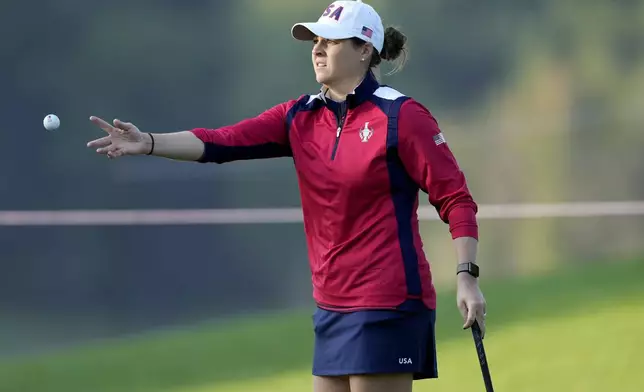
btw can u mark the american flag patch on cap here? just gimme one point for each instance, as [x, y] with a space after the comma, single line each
[439, 139]
[367, 32]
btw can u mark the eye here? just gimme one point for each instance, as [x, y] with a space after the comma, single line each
[325, 41]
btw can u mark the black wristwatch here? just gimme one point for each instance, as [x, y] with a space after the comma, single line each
[470, 268]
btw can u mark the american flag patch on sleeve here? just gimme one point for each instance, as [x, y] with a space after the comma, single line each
[439, 139]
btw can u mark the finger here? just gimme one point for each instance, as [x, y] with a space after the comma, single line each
[107, 150]
[471, 316]
[126, 126]
[117, 152]
[104, 125]
[462, 308]
[102, 142]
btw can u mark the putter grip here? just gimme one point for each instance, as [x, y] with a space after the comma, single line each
[480, 350]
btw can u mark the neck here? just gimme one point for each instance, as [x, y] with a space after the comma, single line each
[338, 91]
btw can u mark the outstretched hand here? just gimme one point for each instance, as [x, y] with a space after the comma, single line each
[123, 138]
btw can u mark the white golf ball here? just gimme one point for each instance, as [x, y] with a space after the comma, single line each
[51, 122]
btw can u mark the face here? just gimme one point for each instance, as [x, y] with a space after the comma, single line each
[338, 60]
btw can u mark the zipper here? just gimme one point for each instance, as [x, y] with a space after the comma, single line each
[340, 122]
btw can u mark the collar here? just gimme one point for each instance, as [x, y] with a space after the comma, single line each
[360, 94]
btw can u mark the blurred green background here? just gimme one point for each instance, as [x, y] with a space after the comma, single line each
[541, 102]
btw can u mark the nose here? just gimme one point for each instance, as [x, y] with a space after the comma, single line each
[317, 48]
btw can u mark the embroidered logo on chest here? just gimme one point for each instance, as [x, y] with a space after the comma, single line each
[366, 133]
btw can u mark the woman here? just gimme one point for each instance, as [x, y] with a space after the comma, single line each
[361, 151]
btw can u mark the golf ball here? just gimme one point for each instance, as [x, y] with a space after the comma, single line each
[51, 122]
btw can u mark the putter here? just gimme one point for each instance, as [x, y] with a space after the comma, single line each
[480, 350]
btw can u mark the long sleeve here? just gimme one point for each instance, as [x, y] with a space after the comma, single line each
[263, 136]
[431, 164]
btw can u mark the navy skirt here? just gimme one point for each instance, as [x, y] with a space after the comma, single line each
[375, 342]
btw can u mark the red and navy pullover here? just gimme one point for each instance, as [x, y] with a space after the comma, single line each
[360, 165]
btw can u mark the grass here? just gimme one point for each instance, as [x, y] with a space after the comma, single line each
[578, 352]
[578, 330]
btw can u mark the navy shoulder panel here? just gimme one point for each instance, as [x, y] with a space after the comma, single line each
[389, 101]
[305, 103]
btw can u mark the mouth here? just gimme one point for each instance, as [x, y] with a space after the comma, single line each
[320, 65]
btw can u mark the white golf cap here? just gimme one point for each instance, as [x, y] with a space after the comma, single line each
[345, 19]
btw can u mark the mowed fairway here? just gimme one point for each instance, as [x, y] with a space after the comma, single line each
[577, 330]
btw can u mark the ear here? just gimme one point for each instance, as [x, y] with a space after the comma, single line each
[367, 49]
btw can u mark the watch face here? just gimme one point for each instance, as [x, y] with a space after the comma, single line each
[470, 268]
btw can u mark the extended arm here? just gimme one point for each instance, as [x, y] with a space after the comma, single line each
[262, 136]
[182, 146]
